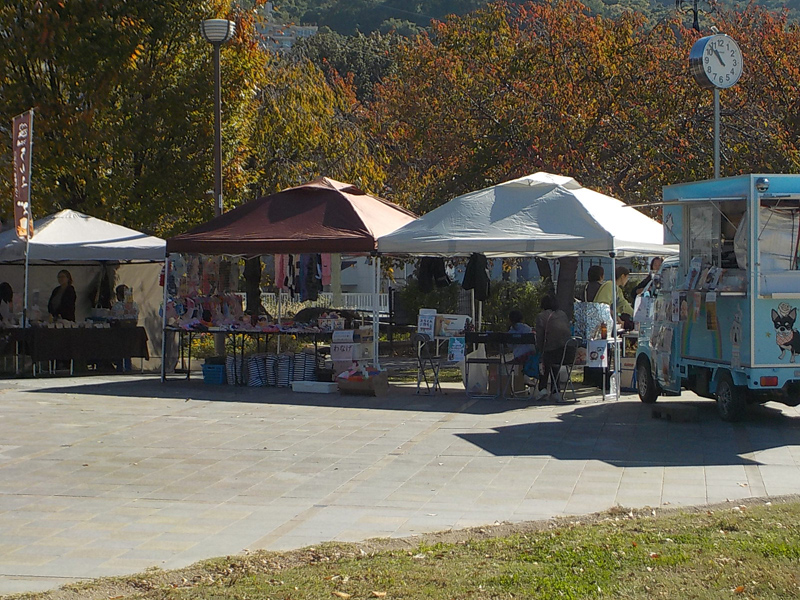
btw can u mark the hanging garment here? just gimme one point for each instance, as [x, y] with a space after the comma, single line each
[477, 277]
[431, 271]
[281, 267]
[311, 281]
[326, 268]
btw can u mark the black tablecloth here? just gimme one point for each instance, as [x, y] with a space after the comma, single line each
[80, 343]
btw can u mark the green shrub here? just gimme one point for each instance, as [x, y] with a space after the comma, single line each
[525, 296]
[444, 300]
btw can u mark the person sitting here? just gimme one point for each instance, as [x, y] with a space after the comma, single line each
[520, 351]
[124, 307]
[606, 293]
[595, 274]
[553, 331]
[6, 300]
[62, 301]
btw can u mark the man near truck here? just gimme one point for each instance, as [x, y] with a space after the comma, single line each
[606, 295]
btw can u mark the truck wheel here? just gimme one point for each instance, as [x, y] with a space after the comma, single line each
[645, 384]
[731, 399]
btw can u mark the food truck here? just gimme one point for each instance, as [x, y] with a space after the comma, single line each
[722, 319]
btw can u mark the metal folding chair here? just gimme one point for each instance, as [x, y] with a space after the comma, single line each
[567, 362]
[426, 363]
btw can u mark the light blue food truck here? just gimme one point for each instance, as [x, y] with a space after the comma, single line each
[723, 316]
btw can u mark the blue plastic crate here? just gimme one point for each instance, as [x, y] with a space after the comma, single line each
[214, 374]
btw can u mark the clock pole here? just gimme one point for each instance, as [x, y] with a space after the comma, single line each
[716, 133]
[715, 62]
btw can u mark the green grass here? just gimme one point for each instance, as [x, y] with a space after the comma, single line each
[747, 552]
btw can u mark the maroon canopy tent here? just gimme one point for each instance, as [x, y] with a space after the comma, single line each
[320, 216]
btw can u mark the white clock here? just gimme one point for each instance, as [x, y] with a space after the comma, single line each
[716, 61]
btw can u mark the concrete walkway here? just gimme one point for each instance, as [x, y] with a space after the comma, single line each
[112, 475]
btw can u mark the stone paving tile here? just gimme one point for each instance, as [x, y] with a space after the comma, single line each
[132, 475]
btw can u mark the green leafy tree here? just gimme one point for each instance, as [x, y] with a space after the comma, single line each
[123, 104]
[363, 59]
[307, 127]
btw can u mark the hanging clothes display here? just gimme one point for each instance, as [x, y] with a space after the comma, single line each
[476, 276]
[431, 272]
[325, 260]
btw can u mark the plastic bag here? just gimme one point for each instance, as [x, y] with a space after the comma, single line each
[478, 373]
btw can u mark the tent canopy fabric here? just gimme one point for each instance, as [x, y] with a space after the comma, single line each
[70, 236]
[537, 215]
[320, 216]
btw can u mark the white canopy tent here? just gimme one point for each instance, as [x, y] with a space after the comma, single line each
[86, 246]
[537, 215]
[72, 236]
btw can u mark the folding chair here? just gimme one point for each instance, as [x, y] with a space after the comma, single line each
[567, 362]
[426, 362]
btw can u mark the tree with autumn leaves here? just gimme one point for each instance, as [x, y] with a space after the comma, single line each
[514, 89]
[123, 101]
[124, 124]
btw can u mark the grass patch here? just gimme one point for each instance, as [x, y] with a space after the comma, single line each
[729, 552]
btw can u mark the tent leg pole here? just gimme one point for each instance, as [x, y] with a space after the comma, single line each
[164, 324]
[376, 326]
[616, 328]
[280, 308]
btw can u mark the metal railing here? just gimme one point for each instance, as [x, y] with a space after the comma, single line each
[350, 300]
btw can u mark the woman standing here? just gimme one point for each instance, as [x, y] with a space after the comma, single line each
[62, 300]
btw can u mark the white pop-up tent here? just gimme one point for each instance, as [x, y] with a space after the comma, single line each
[537, 215]
[72, 236]
[87, 247]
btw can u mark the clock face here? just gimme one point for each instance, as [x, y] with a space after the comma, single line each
[716, 61]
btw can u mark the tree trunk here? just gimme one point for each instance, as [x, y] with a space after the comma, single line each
[545, 272]
[567, 273]
[252, 286]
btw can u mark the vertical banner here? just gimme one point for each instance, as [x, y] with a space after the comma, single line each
[22, 144]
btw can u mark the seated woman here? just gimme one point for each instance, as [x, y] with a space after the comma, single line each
[553, 331]
[521, 351]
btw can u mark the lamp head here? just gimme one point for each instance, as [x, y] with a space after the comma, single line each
[217, 31]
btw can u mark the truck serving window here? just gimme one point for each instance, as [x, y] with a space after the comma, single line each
[778, 231]
[704, 235]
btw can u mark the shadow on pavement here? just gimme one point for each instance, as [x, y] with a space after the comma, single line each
[624, 434]
[399, 398]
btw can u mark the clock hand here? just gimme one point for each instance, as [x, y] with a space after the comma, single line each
[719, 57]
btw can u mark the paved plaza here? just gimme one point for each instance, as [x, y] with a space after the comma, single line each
[111, 475]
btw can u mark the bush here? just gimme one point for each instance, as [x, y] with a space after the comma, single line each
[444, 300]
[525, 296]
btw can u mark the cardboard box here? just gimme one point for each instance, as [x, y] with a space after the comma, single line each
[331, 324]
[377, 385]
[450, 325]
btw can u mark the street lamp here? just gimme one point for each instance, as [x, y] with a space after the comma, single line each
[217, 32]
[697, 8]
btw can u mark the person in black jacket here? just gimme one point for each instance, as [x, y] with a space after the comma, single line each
[62, 300]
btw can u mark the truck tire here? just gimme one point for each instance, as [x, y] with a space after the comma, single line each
[731, 399]
[645, 384]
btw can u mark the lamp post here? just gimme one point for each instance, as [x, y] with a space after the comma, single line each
[217, 32]
[697, 8]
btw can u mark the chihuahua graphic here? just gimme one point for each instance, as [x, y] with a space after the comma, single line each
[786, 336]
